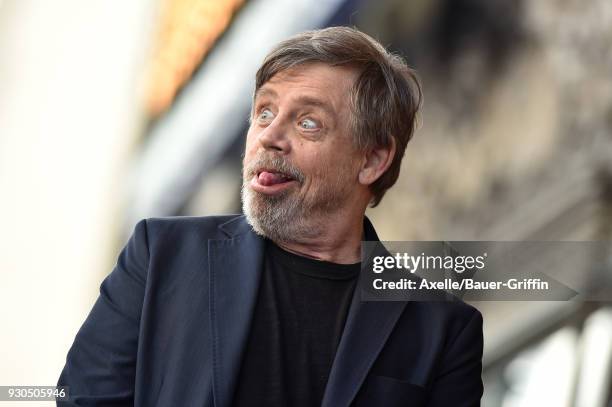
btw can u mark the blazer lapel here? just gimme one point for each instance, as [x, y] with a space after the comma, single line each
[367, 328]
[235, 267]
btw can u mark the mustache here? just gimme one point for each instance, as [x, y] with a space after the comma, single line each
[274, 163]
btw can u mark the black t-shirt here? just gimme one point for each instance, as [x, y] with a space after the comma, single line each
[298, 319]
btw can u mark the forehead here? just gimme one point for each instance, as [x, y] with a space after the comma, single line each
[331, 84]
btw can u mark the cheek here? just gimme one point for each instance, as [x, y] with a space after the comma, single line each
[312, 163]
[321, 168]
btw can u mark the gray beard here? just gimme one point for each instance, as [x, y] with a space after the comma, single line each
[287, 217]
[279, 218]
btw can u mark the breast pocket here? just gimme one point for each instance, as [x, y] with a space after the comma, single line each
[389, 392]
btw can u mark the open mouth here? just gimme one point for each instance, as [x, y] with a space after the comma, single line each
[268, 181]
[269, 177]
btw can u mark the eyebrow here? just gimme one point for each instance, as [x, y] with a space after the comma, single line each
[264, 92]
[304, 100]
[310, 101]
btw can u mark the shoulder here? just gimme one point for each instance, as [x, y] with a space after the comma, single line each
[164, 247]
[176, 226]
[163, 233]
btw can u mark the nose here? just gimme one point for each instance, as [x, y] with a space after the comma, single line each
[274, 137]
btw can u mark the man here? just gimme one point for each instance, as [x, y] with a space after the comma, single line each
[262, 309]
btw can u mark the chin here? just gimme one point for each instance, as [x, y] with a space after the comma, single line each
[275, 218]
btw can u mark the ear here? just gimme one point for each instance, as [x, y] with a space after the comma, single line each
[375, 162]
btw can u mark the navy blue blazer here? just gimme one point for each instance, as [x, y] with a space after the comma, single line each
[172, 320]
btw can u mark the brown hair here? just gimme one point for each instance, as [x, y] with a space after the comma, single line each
[385, 97]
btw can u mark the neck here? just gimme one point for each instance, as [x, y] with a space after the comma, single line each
[336, 240]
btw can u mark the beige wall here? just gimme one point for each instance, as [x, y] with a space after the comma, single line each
[68, 117]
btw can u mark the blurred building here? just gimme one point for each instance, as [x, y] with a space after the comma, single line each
[515, 144]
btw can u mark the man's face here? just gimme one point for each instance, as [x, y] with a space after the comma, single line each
[300, 165]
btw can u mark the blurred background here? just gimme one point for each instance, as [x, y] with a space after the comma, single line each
[112, 111]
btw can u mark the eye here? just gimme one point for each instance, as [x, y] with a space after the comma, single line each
[308, 124]
[265, 115]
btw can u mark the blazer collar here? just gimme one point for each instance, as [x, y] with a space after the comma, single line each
[236, 226]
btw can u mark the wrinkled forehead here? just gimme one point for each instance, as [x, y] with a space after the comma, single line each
[313, 83]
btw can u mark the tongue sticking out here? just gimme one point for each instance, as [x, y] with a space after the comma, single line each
[271, 178]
